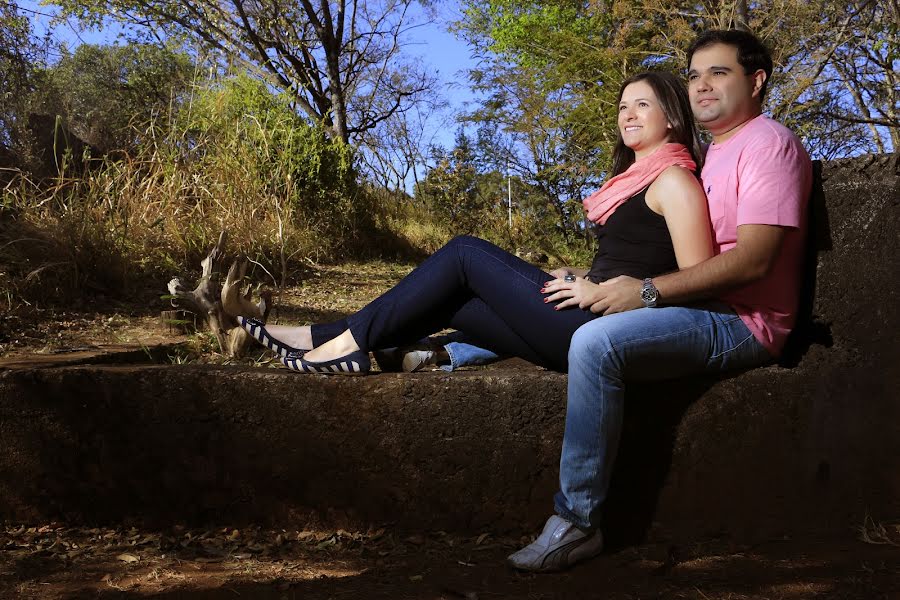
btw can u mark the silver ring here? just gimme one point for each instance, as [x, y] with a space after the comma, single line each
[569, 278]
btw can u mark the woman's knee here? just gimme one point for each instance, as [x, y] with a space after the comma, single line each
[464, 240]
[471, 246]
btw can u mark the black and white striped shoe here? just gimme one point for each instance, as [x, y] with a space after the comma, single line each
[257, 330]
[355, 363]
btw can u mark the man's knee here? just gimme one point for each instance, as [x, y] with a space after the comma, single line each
[592, 345]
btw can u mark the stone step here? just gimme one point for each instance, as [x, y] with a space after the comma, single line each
[770, 452]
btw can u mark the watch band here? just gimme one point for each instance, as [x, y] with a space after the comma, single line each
[649, 293]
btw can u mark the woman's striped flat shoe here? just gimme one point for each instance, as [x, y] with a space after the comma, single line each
[258, 332]
[355, 363]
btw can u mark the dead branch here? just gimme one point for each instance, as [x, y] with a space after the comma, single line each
[218, 307]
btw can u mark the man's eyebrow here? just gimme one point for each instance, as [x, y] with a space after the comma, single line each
[712, 68]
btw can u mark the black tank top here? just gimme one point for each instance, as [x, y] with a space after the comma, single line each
[635, 242]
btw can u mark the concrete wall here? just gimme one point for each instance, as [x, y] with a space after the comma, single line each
[813, 447]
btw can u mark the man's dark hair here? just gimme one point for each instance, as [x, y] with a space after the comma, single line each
[752, 54]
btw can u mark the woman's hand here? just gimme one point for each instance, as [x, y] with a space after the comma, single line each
[581, 293]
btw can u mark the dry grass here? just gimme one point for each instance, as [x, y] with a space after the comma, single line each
[109, 229]
[230, 158]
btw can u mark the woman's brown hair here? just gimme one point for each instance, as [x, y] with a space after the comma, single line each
[676, 106]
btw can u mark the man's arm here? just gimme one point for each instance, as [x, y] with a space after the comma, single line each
[751, 259]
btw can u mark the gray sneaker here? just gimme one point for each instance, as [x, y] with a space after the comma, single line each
[560, 545]
[409, 358]
[415, 360]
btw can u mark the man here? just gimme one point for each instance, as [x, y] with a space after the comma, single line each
[732, 311]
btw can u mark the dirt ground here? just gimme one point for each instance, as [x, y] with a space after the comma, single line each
[56, 560]
[326, 293]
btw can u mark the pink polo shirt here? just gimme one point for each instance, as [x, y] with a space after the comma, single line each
[762, 176]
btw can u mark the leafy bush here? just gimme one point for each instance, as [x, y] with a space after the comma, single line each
[233, 156]
[106, 95]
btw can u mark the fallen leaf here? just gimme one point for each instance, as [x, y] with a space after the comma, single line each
[326, 543]
[415, 578]
[129, 558]
[481, 538]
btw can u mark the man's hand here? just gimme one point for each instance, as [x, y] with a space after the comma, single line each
[618, 294]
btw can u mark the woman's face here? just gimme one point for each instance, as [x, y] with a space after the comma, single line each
[642, 122]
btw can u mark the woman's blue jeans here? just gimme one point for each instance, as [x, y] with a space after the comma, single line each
[477, 288]
[647, 344]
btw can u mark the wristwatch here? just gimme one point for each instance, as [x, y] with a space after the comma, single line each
[649, 293]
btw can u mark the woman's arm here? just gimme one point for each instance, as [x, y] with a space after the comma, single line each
[678, 197]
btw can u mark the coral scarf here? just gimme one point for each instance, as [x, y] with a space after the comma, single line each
[602, 204]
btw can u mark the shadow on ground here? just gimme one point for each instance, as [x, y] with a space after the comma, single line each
[784, 569]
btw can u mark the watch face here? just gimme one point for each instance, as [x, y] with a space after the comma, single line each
[649, 294]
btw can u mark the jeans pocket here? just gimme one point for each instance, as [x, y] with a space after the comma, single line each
[735, 346]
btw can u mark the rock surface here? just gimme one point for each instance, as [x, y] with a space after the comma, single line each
[813, 446]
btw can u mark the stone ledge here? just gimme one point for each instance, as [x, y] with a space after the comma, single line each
[768, 452]
[764, 453]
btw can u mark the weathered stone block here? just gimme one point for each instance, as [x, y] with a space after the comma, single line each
[814, 447]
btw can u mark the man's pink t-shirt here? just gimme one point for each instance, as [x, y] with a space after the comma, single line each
[762, 176]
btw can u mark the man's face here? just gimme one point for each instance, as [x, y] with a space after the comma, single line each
[722, 96]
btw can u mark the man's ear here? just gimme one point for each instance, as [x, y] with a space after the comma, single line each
[759, 78]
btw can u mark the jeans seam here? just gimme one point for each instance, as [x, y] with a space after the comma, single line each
[694, 328]
[450, 354]
[489, 255]
[734, 346]
[667, 334]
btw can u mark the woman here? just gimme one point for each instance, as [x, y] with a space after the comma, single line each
[653, 219]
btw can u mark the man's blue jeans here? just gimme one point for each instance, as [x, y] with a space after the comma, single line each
[647, 344]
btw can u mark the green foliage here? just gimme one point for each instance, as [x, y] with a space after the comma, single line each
[233, 156]
[539, 27]
[550, 78]
[343, 66]
[240, 125]
[467, 192]
[550, 72]
[107, 95]
[18, 55]
[454, 192]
